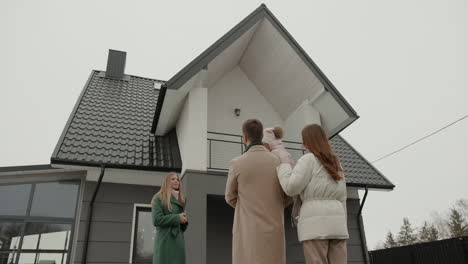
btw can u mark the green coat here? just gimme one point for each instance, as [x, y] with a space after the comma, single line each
[169, 245]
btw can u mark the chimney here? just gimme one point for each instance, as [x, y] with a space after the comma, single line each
[116, 64]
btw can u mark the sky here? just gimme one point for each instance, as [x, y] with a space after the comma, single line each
[402, 65]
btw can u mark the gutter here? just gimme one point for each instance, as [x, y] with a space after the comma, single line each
[113, 165]
[361, 227]
[90, 215]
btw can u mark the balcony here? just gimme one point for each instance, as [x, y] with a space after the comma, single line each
[223, 147]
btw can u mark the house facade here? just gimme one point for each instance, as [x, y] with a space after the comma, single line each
[126, 133]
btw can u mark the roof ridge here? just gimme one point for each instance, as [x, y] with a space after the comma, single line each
[134, 76]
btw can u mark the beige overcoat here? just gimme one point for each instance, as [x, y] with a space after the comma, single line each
[253, 189]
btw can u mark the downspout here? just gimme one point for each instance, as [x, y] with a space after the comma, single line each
[90, 214]
[361, 226]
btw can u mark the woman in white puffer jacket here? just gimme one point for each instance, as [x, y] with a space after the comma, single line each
[319, 180]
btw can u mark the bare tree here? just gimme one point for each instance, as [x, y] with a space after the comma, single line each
[440, 224]
[462, 206]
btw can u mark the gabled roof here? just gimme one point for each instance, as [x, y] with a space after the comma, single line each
[111, 124]
[359, 171]
[336, 112]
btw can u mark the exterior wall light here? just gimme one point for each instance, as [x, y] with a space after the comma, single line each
[237, 111]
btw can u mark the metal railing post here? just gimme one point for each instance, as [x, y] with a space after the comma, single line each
[242, 145]
[209, 140]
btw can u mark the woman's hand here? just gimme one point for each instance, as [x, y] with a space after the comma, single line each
[183, 218]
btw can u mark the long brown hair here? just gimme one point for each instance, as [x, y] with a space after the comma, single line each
[315, 140]
[166, 191]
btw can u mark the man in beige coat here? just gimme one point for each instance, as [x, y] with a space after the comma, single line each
[253, 189]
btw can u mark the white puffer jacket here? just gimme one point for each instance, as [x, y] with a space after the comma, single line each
[323, 211]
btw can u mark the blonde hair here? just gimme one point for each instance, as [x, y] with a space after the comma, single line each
[165, 192]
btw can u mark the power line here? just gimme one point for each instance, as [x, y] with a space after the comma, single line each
[414, 142]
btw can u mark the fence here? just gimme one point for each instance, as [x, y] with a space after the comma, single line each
[223, 147]
[448, 251]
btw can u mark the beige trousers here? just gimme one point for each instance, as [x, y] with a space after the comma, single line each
[325, 251]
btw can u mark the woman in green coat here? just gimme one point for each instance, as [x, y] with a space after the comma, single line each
[170, 222]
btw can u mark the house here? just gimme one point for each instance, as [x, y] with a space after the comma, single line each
[91, 204]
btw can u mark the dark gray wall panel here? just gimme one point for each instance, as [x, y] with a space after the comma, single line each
[120, 193]
[104, 252]
[353, 206]
[355, 253]
[355, 244]
[352, 220]
[111, 212]
[111, 226]
[197, 186]
[219, 229]
[107, 231]
[295, 253]
[354, 237]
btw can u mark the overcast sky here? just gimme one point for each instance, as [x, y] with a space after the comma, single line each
[402, 65]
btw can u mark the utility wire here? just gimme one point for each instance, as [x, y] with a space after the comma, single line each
[414, 142]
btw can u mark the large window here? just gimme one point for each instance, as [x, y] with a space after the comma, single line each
[143, 235]
[36, 221]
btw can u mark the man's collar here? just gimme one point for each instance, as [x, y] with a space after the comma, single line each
[255, 143]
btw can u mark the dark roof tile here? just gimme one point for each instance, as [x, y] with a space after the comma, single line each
[111, 124]
[359, 171]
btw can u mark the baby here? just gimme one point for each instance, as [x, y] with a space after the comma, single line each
[272, 141]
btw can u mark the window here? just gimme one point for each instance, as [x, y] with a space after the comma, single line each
[55, 199]
[10, 233]
[143, 235]
[36, 221]
[17, 197]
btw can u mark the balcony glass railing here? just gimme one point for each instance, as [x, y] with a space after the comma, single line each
[223, 147]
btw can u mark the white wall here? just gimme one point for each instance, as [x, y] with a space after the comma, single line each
[192, 130]
[235, 90]
[304, 115]
[173, 105]
[332, 113]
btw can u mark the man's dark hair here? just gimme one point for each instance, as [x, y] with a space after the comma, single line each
[253, 130]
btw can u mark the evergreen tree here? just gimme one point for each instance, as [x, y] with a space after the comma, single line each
[428, 233]
[424, 233]
[390, 241]
[462, 206]
[406, 235]
[457, 224]
[433, 233]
